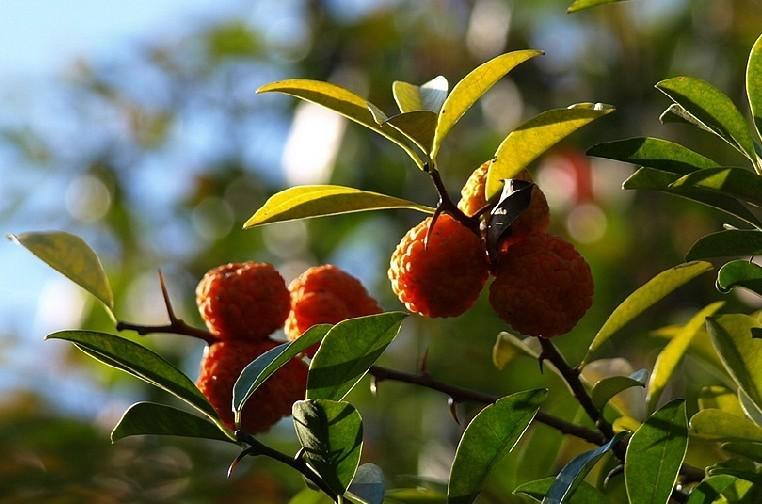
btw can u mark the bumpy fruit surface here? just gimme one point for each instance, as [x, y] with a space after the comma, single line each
[222, 364]
[534, 219]
[243, 301]
[445, 279]
[326, 295]
[542, 287]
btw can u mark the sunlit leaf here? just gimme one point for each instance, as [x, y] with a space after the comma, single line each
[732, 242]
[348, 351]
[490, 436]
[331, 434]
[655, 453]
[735, 182]
[644, 297]
[70, 255]
[344, 102]
[748, 407]
[407, 96]
[264, 366]
[607, 388]
[740, 273]
[428, 96]
[472, 87]
[653, 153]
[710, 490]
[721, 426]
[580, 5]
[303, 202]
[140, 362]
[151, 418]
[719, 397]
[418, 126]
[672, 355]
[509, 346]
[584, 494]
[563, 488]
[754, 83]
[740, 353]
[650, 179]
[711, 108]
[533, 138]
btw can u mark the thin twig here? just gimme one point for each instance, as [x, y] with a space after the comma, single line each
[446, 204]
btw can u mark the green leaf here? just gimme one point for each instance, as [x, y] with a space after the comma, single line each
[509, 346]
[264, 366]
[368, 484]
[417, 125]
[653, 153]
[331, 434]
[490, 436]
[649, 179]
[580, 5]
[309, 496]
[568, 480]
[70, 255]
[584, 494]
[472, 87]
[712, 109]
[151, 418]
[740, 273]
[344, 102]
[607, 388]
[415, 496]
[732, 242]
[736, 182]
[746, 449]
[711, 489]
[407, 96]
[754, 83]
[719, 425]
[140, 362]
[533, 138]
[719, 397]
[644, 297]
[748, 407]
[428, 96]
[740, 353]
[672, 355]
[655, 453]
[304, 202]
[347, 351]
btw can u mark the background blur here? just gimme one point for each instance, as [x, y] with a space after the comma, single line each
[135, 125]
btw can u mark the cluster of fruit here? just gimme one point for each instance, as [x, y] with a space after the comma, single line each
[542, 286]
[243, 304]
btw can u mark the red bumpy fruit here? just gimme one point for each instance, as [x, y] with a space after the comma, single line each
[542, 286]
[445, 279]
[222, 364]
[326, 295]
[243, 301]
[534, 219]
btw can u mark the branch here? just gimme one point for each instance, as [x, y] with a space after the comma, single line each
[460, 394]
[446, 204]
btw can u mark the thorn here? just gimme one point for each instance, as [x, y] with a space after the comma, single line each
[167, 301]
[424, 365]
[612, 474]
[299, 454]
[453, 409]
[237, 460]
[541, 360]
[373, 386]
[434, 218]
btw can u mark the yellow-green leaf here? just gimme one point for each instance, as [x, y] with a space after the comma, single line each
[645, 297]
[416, 125]
[472, 87]
[720, 397]
[533, 138]
[671, 356]
[509, 346]
[344, 102]
[428, 96]
[407, 96]
[70, 255]
[721, 426]
[754, 83]
[580, 5]
[303, 202]
[736, 182]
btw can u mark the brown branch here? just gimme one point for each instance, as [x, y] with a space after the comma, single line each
[446, 204]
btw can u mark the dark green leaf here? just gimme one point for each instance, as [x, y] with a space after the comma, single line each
[754, 83]
[584, 494]
[418, 126]
[607, 388]
[490, 436]
[70, 255]
[649, 179]
[261, 368]
[653, 153]
[712, 109]
[304, 202]
[368, 484]
[331, 434]
[733, 242]
[710, 490]
[747, 449]
[347, 351]
[655, 453]
[644, 297]
[580, 5]
[735, 182]
[563, 488]
[740, 273]
[737, 467]
[140, 362]
[152, 418]
[719, 425]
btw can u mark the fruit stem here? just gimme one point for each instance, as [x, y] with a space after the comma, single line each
[445, 202]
